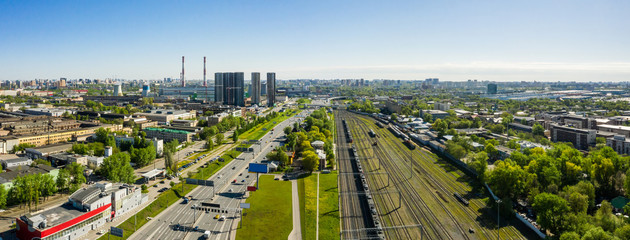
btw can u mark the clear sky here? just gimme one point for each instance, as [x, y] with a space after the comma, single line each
[558, 40]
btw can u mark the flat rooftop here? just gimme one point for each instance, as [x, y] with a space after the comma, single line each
[59, 147]
[623, 128]
[61, 214]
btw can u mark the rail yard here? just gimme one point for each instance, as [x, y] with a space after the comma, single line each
[404, 191]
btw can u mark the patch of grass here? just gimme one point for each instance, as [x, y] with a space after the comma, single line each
[307, 188]
[270, 215]
[182, 163]
[328, 206]
[193, 157]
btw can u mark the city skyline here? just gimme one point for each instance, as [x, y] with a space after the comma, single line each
[454, 41]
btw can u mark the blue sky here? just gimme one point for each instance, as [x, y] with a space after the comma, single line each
[560, 40]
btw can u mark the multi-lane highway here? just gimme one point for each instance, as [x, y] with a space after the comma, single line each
[228, 195]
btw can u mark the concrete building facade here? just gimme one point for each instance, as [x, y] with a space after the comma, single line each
[255, 89]
[581, 139]
[271, 89]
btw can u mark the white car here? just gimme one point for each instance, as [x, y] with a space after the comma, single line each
[222, 218]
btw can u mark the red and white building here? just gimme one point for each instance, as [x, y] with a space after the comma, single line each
[87, 209]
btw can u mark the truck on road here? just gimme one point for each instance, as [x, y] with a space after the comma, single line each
[206, 235]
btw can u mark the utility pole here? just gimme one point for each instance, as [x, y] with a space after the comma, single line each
[498, 218]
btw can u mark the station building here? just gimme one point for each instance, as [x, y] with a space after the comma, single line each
[87, 209]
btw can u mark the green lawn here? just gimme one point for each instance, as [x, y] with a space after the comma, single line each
[270, 215]
[307, 188]
[328, 206]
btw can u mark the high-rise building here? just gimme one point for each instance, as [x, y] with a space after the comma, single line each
[218, 87]
[492, 88]
[232, 88]
[255, 89]
[146, 90]
[118, 90]
[62, 83]
[271, 89]
[263, 89]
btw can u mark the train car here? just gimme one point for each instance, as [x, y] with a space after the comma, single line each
[379, 124]
[372, 133]
[461, 199]
[349, 139]
[410, 144]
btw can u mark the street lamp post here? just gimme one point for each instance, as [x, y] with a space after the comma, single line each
[498, 218]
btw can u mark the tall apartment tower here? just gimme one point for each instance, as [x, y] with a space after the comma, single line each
[218, 87]
[271, 89]
[492, 88]
[255, 89]
[232, 88]
[118, 90]
[146, 89]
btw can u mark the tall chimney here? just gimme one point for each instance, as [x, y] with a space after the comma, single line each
[204, 72]
[183, 79]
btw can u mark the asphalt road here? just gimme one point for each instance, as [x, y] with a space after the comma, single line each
[162, 226]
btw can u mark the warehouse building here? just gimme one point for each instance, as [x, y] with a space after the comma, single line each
[169, 134]
[164, 116]
[87, 209]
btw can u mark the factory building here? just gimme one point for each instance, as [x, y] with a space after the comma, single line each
[87, 209]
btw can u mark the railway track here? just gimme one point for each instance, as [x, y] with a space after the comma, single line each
[394, 216]
[425, 160]
[353, 214]
[414, 203]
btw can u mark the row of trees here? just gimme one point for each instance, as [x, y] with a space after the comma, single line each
[29, 189]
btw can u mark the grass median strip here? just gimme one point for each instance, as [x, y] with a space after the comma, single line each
[307, 188]
[328, 206]
[270, 215]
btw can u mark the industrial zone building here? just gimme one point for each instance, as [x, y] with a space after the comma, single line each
[87, 209]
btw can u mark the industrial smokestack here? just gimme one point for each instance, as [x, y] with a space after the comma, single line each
[204, 72]
[183, 79]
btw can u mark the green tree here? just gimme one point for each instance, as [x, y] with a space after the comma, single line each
[210, 143]
[538, 130]
[287, 130]
[498, 129]
[492, 152]
[623, 232]
[570, 236]
[310, 161]
[235, 136]
[116, 168]
[456, 150]
[597, 234]
[550, 209]
[394, 117]
[143, 156]
[219, 139]
[3, 197]
[63, 178]
[508, 179]
[169, 161]
[479, 163]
